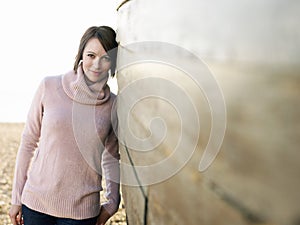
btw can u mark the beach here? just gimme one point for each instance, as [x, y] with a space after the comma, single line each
[10, 134]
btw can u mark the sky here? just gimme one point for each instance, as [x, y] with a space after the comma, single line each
[41, 38]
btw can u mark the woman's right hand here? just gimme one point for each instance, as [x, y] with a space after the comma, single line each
[15, 214]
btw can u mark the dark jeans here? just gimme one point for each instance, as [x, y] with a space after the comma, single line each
[32, 217]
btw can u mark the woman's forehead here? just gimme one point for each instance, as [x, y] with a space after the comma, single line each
[94, 45]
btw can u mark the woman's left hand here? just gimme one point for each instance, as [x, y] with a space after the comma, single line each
[103, 217]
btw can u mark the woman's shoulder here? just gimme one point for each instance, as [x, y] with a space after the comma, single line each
[52, 81]
[48, 80]
[54, 78]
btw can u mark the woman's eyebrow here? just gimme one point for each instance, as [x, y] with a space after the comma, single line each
[89, 51]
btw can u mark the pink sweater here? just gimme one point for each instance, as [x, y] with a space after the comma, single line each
[67, 140]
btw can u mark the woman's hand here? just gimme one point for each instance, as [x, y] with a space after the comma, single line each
[15, 214]
[103, 217]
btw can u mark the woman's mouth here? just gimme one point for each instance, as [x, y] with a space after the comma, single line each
[95, 72]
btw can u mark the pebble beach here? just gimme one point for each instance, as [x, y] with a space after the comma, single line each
[10, 134]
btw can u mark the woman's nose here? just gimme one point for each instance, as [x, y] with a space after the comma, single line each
[97, 63]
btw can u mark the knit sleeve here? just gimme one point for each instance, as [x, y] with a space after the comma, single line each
[111, 167]
[29, 142]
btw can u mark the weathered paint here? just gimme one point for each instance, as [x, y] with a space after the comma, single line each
[252, 48]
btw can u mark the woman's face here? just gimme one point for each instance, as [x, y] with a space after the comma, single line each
[96, 62]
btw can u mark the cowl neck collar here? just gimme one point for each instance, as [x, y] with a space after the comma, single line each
[76, 88]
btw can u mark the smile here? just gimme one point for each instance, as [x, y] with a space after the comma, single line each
[95, 72]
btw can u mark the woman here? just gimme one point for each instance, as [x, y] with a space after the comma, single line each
[67, 140]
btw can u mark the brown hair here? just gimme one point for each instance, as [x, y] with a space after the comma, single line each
[107, 37]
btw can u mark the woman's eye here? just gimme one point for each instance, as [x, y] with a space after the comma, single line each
[90, 55]
[106, 58]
